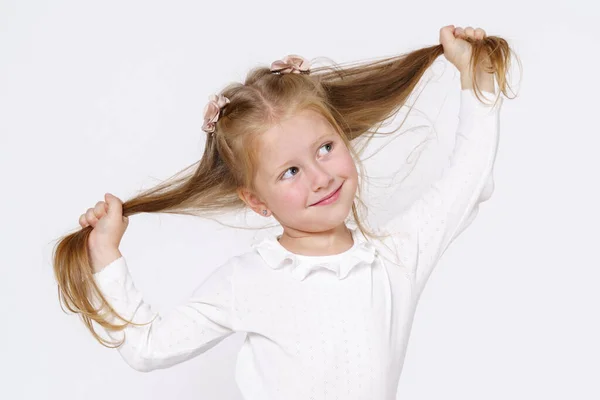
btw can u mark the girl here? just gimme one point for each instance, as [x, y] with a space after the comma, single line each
[326, 310]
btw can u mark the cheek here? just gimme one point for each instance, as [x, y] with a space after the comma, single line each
[349, 167]
[291, 196]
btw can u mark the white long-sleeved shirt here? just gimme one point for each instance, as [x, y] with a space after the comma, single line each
[319, 327]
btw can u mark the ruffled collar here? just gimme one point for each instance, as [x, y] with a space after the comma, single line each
[300, 266]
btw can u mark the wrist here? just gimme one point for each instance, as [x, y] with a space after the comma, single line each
[100, 258]
[485, 80]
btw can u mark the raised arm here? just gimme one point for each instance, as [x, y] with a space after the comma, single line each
[424, 231]
[184, 332]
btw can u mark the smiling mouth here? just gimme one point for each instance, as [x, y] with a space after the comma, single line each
[328, 196]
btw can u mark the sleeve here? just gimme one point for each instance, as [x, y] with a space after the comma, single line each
[423, 232]
[188, 330]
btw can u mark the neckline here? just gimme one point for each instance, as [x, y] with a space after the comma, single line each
[321, 258]
[300, 266]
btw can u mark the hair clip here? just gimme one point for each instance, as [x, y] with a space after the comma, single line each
[291, 64]
[212, 111]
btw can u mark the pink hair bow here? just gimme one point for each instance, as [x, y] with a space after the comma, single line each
[291, 64]
[212, 111]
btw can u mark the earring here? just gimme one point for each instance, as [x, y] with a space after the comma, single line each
[264, 212]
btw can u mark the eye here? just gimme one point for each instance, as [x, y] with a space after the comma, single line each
[330, 144]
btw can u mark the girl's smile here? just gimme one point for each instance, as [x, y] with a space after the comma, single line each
[329, 199]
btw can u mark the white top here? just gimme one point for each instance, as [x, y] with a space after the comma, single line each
[319, 326]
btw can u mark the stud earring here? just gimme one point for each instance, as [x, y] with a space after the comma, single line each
[264, 212]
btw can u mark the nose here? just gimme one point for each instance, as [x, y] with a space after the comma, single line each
[320, 178]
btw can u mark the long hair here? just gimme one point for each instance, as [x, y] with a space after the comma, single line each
[354, 98]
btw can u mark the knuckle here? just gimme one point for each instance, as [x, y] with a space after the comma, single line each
[99, 209]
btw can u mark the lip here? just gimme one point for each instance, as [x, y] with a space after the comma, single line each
[329, 195]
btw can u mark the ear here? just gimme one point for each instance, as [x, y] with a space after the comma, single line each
[251, 200]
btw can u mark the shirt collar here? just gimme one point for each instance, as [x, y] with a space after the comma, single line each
[276, 256]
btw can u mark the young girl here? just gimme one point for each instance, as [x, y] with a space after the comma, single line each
[326, 311]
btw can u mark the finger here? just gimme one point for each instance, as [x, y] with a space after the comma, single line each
[459, 32]
[115, 206]
[91, 217]
[100, 209]
[446, 29]
[447, 35]
[479, 33]
[82, 221]
[469, 31]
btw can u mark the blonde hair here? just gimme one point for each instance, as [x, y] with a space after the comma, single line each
[354, 98]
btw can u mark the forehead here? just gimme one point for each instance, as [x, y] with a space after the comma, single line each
[290, 138]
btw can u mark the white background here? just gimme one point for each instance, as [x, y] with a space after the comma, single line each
[108, 96]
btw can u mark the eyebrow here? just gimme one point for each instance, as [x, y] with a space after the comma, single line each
[319, 139]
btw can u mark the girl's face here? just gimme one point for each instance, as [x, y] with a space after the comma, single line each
[301, 161]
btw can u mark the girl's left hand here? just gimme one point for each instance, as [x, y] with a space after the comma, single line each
[456, 49]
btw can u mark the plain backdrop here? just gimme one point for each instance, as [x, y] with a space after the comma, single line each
[108, 96]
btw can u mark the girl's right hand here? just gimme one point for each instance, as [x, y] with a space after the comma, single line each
[456, 48]
[108, 224]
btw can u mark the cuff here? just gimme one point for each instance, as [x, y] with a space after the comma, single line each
[115, 271]
[469, 103]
